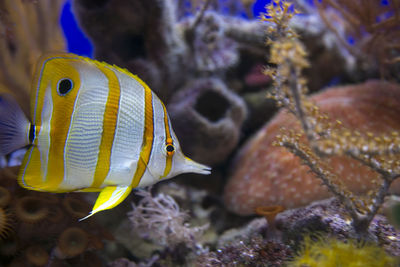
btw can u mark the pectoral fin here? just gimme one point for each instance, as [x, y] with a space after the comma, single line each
[109, 197]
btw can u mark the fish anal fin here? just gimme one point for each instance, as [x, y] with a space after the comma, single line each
[109, 197]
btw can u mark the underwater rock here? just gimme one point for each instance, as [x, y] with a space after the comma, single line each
[211, 50]
[265, 175]
[207, 118]
[125, 33]
[252, 252]
[329, 218]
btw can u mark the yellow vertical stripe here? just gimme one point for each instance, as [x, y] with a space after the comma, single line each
[168, 163]
[109, 127]
[148, 135]
[61, 117]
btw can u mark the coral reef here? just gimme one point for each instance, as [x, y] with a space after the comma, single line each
[280, 178]
[329, 218]
[213, 67]
[38, 229]
[319, 138]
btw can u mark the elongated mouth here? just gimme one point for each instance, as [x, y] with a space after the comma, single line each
[194, 167]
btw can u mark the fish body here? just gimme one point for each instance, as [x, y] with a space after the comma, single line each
[95, 127]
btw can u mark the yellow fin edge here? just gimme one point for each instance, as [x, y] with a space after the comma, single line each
[108, 198]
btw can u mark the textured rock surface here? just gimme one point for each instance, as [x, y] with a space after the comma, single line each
[207, 118]
[265, 175]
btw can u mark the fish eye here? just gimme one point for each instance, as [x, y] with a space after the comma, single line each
[64, 86]
[170, 148]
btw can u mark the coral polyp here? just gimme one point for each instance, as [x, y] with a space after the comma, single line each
[36, 255]
[72, 242]
[31, 209]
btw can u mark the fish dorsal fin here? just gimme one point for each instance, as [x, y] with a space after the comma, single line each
[109, 197]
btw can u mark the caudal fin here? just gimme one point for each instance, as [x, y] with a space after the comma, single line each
[14, 126]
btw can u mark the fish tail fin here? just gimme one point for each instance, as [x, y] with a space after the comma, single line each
[108, 198]
[14, 126]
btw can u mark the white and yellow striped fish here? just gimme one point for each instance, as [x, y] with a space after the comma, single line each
[95, 127]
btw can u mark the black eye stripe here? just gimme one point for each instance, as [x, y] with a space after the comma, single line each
[64, 86]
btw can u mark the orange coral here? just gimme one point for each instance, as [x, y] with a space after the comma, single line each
[267, 175]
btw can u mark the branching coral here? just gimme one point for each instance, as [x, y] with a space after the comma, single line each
[27, 29]
[160, 219]
[325, 138]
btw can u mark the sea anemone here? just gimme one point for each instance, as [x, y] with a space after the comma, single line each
[72, 242]
[37, 255]
[31, 209]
